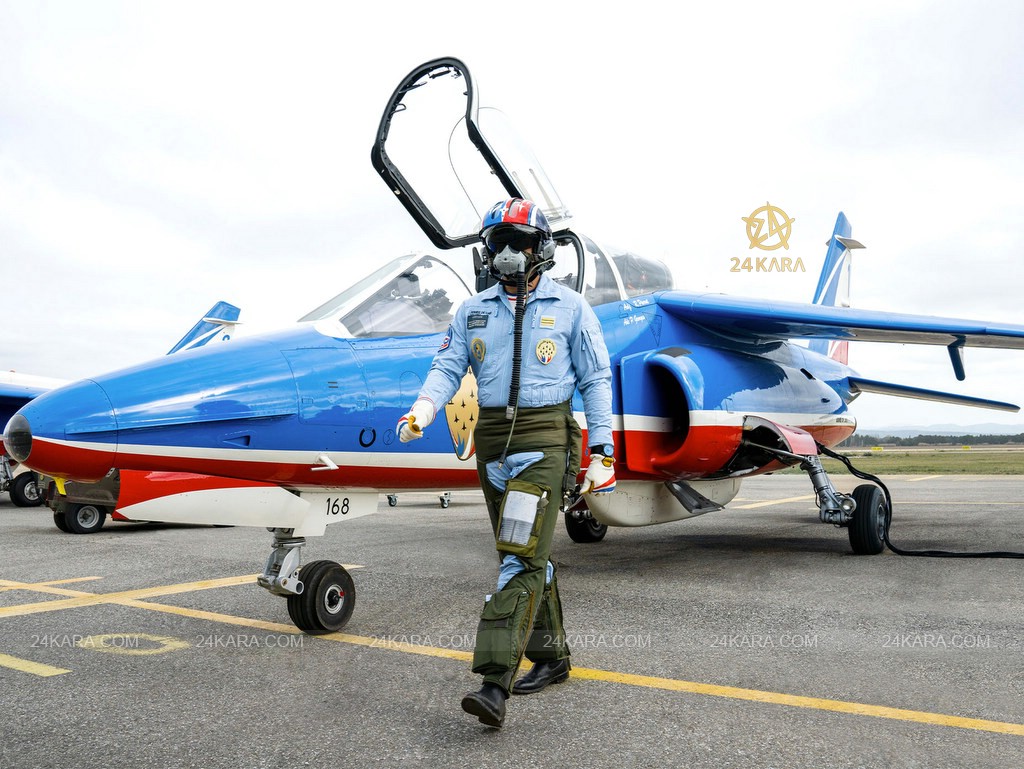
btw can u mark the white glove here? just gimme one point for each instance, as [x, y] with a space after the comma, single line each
[600, 477]
[410, 427]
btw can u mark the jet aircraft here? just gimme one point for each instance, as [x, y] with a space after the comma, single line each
[86, 512]
[298, 427]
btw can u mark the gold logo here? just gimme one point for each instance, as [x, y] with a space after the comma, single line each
[461, 413]
[779, 226]
[479, 349]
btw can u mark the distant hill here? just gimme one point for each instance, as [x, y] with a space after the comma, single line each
[989, 428]
[938, 435]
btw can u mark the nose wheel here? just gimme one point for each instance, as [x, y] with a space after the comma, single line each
[321, 595]
[327, 599]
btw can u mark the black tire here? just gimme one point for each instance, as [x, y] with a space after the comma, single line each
[61, 522]
[392, 500]
[85, 519]
[584, 530]
[25, 491]
[445, 501]
[870, 520]
[327, 599]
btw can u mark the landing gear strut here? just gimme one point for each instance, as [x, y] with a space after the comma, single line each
[865, 513]
[321, 595]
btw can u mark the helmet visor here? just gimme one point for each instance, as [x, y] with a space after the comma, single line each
[518, 237]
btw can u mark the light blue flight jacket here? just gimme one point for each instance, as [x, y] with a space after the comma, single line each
[563, 348]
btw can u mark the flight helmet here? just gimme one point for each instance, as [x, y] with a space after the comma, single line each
[517, 224]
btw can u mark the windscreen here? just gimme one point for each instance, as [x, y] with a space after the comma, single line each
[410, 295]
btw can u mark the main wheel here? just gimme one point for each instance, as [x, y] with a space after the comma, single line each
[61, 522]
[327, 599]
[25, 491]
[84, 519]
[870, 520]
[584, 529]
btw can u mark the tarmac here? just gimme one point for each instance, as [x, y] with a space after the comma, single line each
[751, 637]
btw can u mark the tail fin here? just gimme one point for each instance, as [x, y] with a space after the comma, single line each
[834, 283]
[217, 325]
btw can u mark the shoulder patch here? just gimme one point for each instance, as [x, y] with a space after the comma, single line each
[446, 342]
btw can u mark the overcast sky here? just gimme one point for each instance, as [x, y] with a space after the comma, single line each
[156, 157]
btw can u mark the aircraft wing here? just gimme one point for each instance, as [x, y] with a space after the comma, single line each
[16, 390]
[761, 321]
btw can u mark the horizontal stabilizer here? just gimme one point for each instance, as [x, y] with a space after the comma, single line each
[860, 385]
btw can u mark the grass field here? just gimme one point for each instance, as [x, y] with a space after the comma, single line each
[975, 460]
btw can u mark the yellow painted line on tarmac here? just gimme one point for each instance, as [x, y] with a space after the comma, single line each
[212, 616]
[797, 701]
[923, 478]
[27, 666]
[7, 585]
[91, 599]
[133, 598]
[400, 646]
[771, 502]
[627, 679]
[80, 598]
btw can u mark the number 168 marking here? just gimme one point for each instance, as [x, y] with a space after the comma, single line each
[337, 505]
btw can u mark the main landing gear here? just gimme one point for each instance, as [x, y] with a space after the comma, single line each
[865, 514]
[321, 595]
[581, 526]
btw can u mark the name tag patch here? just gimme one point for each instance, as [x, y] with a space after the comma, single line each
[477, 320]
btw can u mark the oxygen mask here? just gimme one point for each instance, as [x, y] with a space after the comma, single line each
[508, 263]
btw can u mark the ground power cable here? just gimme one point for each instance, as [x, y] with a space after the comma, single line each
[888, 518]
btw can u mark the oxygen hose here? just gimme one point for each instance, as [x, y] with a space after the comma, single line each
[517, 345]
[888, 520]
[517, 360]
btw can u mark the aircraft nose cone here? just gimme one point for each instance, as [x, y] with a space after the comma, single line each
[18, 438]
[70, 432]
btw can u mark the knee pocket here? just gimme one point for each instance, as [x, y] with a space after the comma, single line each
[521, 518]
[501, 634]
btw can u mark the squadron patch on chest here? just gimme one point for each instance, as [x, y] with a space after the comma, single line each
[546, 351]
[479, 349]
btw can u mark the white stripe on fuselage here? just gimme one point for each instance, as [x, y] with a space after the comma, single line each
[645, 424]
[444, 460]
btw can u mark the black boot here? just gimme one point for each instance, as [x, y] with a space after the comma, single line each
[542, 674]
[488, 704]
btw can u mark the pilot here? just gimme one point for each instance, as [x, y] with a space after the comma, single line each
[531, 343]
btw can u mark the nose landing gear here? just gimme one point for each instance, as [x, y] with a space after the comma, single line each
[321, 595]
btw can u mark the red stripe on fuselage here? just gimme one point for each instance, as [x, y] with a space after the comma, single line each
[69, 462]
[706, 450]
[141, 486]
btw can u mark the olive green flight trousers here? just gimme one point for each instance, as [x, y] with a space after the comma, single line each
[524, 618]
